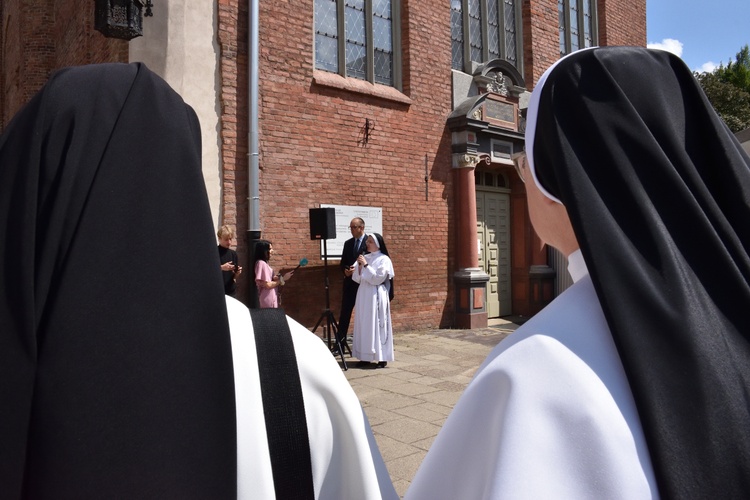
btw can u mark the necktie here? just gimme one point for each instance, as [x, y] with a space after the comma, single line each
[356, 248]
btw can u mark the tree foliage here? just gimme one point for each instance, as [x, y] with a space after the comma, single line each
[738, 72]
[728, 90]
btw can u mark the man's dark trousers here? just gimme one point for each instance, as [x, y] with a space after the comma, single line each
[349, 295]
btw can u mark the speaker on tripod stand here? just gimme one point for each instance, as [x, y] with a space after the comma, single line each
[323, 227]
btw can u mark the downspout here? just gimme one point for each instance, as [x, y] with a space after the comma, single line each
[253, 215]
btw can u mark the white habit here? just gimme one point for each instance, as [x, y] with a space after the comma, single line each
[346, 462]
[373, 333]
[549, 414]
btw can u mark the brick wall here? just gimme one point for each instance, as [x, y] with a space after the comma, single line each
[28, 51]
[77, 40]
[541, 41]
[311, 150]
[622, 22]
[40, 36]
[233, 44]
[311, 153]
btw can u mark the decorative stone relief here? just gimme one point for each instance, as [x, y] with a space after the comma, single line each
[498, 85]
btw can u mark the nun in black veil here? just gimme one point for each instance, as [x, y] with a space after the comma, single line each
[116, 373]
[125, 372]
[373, 330]
[635, 382]
[658, 193]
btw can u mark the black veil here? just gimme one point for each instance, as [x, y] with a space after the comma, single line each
[384, 250]
[381, 244]
[658, 191]
[115, 358]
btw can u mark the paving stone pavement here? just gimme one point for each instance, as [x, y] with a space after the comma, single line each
[408, 401]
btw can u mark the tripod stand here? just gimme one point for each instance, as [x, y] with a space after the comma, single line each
[326, 318]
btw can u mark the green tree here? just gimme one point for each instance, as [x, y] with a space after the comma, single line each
[730, 102]
[738, 72]
[728, 90]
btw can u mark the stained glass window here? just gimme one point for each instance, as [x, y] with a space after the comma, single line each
[578, 24]
[574, 33]
[382, 41]
[364, 33]
[356, 39]
[511, 33]
[491, 29]
[588, 32]
[457, 35]
[475, 31]
[326, 35]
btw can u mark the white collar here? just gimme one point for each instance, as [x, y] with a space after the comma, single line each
[577, 266]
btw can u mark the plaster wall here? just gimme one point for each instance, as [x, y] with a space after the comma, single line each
[179, 44]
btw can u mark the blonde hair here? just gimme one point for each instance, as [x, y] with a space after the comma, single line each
[225, 230]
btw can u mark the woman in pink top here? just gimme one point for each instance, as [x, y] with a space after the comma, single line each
[268, 283]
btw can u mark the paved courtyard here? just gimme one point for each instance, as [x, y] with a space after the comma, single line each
[408, 401]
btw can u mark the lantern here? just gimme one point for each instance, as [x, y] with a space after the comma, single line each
[120, 18]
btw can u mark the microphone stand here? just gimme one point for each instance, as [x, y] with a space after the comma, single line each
[327, 318]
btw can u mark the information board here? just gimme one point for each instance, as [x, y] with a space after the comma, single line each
[373, 217]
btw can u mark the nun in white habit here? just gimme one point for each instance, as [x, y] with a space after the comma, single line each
[634, 382]
[373, 333]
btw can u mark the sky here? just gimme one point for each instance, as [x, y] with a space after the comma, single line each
[704, 33]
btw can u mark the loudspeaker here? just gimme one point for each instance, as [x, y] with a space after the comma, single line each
[322, 223]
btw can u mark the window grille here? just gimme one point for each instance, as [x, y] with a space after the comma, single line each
[482, 30]
[364, 34]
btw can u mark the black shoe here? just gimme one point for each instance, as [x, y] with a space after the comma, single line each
[381, 364]
[363, 364]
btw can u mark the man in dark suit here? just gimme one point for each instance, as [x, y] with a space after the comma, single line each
[353, 247]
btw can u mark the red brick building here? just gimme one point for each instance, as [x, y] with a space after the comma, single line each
[413, 107]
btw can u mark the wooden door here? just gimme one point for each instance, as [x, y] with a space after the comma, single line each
[493, 233]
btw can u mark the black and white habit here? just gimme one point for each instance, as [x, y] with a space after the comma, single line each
[116, 373]
[635, 382]
[116, 339]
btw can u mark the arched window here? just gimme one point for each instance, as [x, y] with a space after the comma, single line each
[578, 25]
[482, 30]
[364, 34]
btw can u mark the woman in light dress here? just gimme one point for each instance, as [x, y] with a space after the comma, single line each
[266, 280]
[373, 334]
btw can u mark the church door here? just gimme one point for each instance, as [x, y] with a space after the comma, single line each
[493, 233]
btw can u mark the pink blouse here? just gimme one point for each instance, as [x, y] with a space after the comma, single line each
[267, 297]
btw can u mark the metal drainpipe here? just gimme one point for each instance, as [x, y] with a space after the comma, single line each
[253, 215]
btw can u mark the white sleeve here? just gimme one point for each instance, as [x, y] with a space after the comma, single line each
[376, 273]
[346, 461]
[355, 275]
[547, 416]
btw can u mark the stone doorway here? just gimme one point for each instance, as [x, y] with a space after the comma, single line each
[493, 235]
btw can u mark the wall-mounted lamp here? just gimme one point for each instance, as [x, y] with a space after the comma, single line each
[121, 18]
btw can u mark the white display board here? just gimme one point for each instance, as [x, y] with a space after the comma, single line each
[373, 217]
